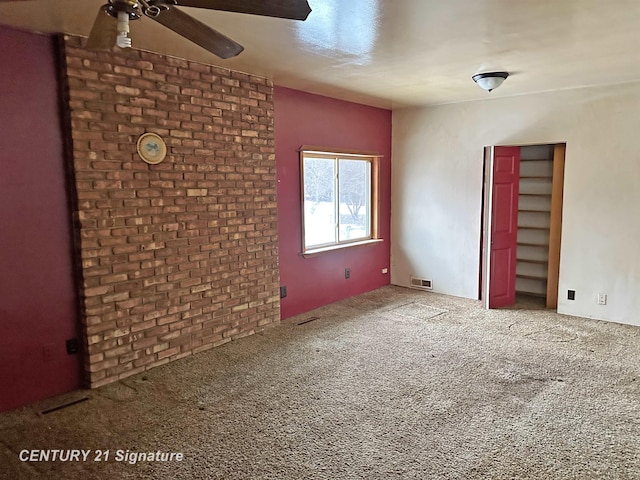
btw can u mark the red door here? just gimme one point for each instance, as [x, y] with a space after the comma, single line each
[504, 226]
[37, 299]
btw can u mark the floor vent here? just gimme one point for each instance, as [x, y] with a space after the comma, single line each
[421, 283]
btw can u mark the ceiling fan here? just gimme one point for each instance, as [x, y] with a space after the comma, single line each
[111, 26]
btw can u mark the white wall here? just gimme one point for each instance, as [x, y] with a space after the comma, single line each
[437, 185]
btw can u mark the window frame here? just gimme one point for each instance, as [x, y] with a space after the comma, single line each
[374, 195]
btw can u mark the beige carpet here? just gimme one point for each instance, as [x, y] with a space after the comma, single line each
[392, 384]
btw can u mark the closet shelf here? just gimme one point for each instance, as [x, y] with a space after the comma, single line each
[530, 244]
[527, 260]
[532, 277]
[526, 227]
[533, 294]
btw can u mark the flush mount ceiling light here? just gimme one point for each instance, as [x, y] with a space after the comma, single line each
[490, 80]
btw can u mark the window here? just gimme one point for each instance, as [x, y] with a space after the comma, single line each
[339, 192]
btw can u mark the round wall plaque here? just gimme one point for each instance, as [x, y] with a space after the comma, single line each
[151, 148]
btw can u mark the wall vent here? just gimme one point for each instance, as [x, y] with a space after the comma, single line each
[421, 283]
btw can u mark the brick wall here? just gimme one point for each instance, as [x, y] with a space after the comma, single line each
[182, 256]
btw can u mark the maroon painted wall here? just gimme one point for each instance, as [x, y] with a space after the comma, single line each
[37, 299]
[306, 119]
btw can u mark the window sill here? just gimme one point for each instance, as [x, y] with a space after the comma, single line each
[333, 248]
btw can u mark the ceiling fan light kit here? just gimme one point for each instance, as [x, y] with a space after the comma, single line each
[111, 26]
[490, 80]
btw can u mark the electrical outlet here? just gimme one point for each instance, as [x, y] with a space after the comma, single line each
[283, 292]
[347, 273]
[385, 270]
[602, 299]
[571, 294]
[73, 346]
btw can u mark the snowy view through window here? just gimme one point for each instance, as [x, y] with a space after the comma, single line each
[337, 200]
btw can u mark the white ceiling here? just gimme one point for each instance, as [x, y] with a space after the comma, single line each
[397, 53]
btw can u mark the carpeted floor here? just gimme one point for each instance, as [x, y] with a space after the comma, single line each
[395, 383]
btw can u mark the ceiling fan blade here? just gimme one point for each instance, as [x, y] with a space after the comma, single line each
[104, 31]
[291, 9]
[198, 33]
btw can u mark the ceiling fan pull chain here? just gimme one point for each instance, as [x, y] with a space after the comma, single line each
[152, 11]
[149, 10]
[153, 8]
